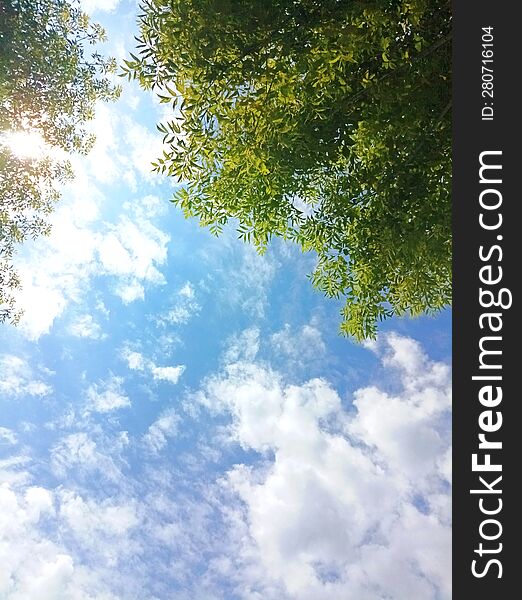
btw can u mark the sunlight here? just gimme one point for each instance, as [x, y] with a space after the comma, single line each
[25, 144]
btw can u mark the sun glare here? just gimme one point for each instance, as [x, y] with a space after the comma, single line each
[25, 144]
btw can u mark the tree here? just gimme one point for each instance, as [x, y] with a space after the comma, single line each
[325, 122]
[49, 84]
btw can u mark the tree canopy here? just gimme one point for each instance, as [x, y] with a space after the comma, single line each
[325, 122]
[49, 84]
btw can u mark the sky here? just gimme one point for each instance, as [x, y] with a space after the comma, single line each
[179, 417]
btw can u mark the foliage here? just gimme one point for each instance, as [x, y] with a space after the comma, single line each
[49, 83]
[325, 122]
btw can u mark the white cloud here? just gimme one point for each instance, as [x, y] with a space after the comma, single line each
[244, 346]
[88, 519]
[333, 502]
[36, 563]
[8, 436]
[114, 256]
[131, 252]
[74, 449]
[340, 510]
[41, 303]
[165, 427]
[57, 270]
[238, 275]
[18, 379]
[12, 470]
[39, 501]
[137, 362]
[103, 158]
[247, 285]
[170, 374]
[30, 564]
[149, 207]
[100, 306]
[184, 307]
[302, 345]
[129, 292]
[124, 149]
[85, 326]
[80, 454]
[144, 147]
[89, 6]
[187, 291]
[107, 396]
[133, 249]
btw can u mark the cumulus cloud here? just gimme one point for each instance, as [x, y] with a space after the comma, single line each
[12, 470]
[184, 306]
[84, 326]
[345, 504]
[8, 436]
[144, 147]
[304, 344]
[317, 497]
[57, 270]
[129, 249]
[136, 361]
[90, 6]
[170, 374]
[240, 277]
[107, 396]
[149, 207]
[36, 563]
[129, 292]
[74, 449]
[81, 454]
[247, 284]
[102, 162]
[89, 520]
[30, 565]
[243, 346]
[18, 379]
[165, 427]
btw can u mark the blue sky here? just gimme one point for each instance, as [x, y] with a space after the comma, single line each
[180, 418]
